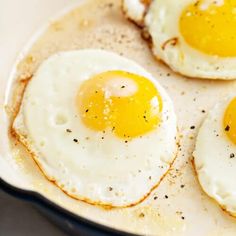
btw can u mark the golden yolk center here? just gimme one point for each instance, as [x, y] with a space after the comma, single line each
[230, 121]
[128, 104]
[210, 27]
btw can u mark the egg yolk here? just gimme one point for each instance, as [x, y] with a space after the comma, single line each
[210, 27]
[128, 104]
[230, 121]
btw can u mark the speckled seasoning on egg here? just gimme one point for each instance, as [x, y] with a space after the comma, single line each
[194, 37]
[89, 129]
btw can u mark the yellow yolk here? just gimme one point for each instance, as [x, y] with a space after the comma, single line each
[210, 27]
[127, 104]
[230, 121]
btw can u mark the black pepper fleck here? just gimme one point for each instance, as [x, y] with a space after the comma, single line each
[232, 155]
[68, 131]
[166, 196]
[87, 110]
[192, 127]
[110, 188]
[145, 118]
[75, 140]
[155, 198]
[141, 215]
[182, 186]
[196, 4]
[122, 86]
[227, 128]
[110, 5]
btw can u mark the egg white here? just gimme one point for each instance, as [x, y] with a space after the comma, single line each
[100, 168]
[134, 9]
[214, 167]
[162, 23]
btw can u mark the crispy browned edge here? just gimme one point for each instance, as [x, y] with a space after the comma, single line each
[21, 139]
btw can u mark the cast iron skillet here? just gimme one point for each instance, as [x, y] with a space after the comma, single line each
[69, 222]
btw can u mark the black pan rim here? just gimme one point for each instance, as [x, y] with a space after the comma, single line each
[41, 201]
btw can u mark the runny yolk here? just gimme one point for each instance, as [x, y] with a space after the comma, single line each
[127, 104]
[210, 27]
[230, 121]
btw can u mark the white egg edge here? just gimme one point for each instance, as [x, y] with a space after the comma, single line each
[212, 185]
[134, 10]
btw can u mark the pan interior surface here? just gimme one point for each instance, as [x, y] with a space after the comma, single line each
[178, 206]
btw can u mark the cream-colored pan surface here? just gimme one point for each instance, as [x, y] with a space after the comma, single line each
[178, 206]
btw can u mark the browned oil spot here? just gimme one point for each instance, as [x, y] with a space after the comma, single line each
[145, 34]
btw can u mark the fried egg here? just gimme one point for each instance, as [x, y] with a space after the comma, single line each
[194, 37]
[99, 126]
[215, 154]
